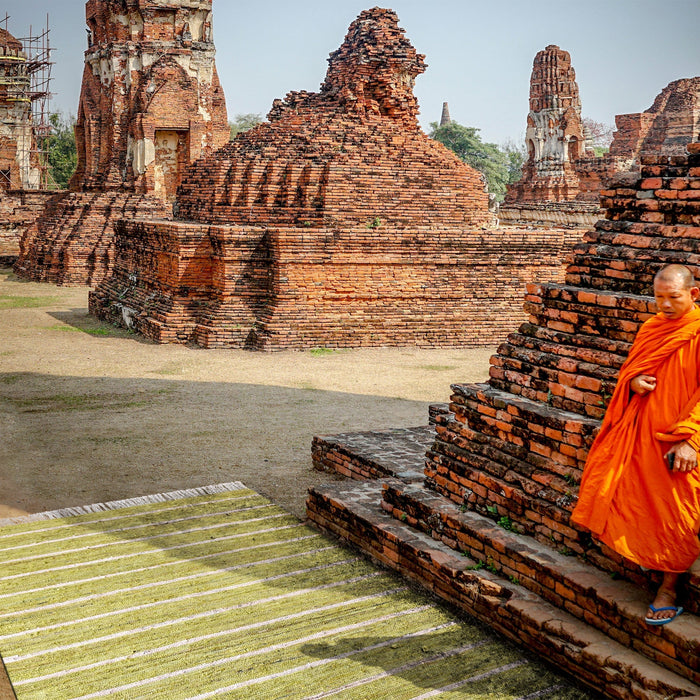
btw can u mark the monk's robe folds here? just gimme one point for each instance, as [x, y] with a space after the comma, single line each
[628, 497]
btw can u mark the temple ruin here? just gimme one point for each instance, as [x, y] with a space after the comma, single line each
[477, 506]
[336, 223]
[562, 178]
[150, 105]
[22, 167]
[19, 163]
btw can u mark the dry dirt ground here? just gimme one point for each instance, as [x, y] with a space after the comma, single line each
[90, 413]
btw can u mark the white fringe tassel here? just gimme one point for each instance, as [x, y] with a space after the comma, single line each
[125, 503]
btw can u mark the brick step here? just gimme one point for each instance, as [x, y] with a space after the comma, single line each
[623, 255]
[530, 368]
[535, 433]
[512, 458]
[362, 456]
[616, 315]
[351, 512]
[615, 607]
[374, 455]
[477, 473]
[591, 354]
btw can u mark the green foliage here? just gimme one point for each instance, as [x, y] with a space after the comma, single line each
[506, 523]
[243, 122]
[487, 158]
[517, 155]
[61, 149]
[319, 352]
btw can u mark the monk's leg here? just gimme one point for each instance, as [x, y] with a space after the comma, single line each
[665, 597]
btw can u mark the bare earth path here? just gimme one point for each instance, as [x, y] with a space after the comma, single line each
[89, 413]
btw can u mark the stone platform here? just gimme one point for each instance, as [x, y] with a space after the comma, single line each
[581, 618]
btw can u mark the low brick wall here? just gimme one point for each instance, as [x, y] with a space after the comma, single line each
[288, 287]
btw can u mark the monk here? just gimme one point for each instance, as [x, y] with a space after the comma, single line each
[640, 492]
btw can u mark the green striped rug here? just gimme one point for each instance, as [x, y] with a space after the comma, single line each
[216, 592]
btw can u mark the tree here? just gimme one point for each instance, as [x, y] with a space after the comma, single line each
[61, 149]
[517, 155]
[599, 136]
[243, 122]
[487, 158]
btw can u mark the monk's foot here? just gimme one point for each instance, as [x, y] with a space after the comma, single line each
[664, 608]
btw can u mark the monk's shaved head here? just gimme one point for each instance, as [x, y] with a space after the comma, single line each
[675, 291]
[671, 273]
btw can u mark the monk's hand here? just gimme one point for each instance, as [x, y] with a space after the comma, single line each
[643, 384]
[685, 458]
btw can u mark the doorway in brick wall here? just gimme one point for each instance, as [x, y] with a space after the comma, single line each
[172, 156]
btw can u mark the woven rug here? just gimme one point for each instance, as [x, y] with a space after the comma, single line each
[216, 592]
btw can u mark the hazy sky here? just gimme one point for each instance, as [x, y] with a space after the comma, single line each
[479, 54]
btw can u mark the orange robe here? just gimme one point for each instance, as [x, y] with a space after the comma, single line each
[628, 497]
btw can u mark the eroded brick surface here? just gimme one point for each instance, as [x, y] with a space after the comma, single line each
[19, 209]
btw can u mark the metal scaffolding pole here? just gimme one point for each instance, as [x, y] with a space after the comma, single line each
[26, 78]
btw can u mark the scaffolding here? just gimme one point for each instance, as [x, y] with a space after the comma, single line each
[28, 82]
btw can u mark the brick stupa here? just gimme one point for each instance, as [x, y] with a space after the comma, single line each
[150, 104]
[336, 223]
[554, 134]
[478, 507]
[562, 178]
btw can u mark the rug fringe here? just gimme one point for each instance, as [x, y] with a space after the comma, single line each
[125, 503]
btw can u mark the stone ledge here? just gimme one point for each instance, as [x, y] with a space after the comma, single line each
[374, 455]
[614, 607]
[606, 665]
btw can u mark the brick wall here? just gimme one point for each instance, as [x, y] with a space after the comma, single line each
[286, 287]
[72, 240]
[18, 211]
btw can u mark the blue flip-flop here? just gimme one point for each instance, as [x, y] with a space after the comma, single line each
[664, 620]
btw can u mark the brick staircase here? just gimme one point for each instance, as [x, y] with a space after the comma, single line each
[477, 507]
[72, 241]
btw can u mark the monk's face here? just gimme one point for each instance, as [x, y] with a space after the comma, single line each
[673, 298]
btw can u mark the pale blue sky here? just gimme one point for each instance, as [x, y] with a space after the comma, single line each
[479, 54]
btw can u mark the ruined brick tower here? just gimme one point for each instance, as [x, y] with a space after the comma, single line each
[150, 104]
[672, 122]
[19, 168]
[554, 134]
[562, 180]
[336, 223]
